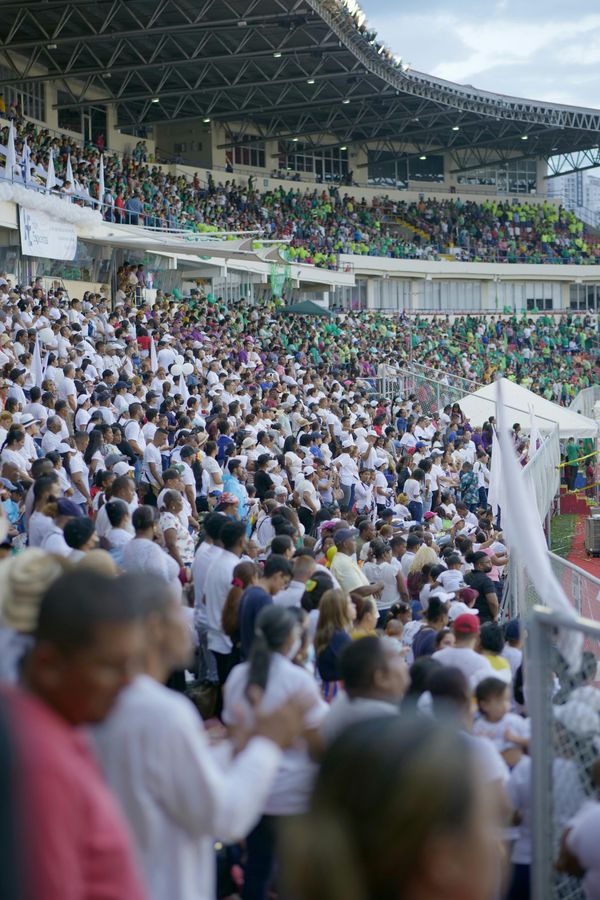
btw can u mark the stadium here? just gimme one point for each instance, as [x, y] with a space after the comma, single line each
[299, 97]
[299, 480]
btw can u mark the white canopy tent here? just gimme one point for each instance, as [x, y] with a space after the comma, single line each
[478, 407]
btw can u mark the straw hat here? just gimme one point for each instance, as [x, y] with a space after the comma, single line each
[24, 579]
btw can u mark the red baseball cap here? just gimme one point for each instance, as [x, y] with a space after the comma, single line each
[466, 624]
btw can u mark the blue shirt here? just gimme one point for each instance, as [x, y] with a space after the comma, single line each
[251, 602]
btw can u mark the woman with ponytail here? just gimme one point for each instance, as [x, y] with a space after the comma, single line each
[416, 830]
[269, 679]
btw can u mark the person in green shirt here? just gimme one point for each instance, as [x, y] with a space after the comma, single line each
[571, 470]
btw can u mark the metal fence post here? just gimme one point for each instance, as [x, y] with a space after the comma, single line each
[539, 683]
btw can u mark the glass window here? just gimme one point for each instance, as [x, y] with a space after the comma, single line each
[387, 169]
[250, 155]
[325, 163]
[517, 176]
[30, 98]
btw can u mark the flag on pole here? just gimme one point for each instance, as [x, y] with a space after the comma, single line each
[524, 535]
[11, 153]
[495, 475]
[37, 372]
[183, 388]
[69, 174]
[153, 356]
[26, 162]
[535, 440]
[101, 181]
[51, 181]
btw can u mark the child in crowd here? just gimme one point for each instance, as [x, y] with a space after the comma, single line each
[508, 732]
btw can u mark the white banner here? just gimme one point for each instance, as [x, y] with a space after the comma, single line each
[44, 236]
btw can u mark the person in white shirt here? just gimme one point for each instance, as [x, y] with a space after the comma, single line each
[54, 540]
[271, 673]
[463, 656]
[212, 476]
[66, 389]
[152, 462]
[216, 587]
[304, 568]
[177, 793]
[383, 570]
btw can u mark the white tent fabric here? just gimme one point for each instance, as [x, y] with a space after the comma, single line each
[478, 407]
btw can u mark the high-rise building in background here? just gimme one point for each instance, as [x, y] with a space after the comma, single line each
[580, 192]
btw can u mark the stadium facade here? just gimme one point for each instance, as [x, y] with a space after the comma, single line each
[300, 94]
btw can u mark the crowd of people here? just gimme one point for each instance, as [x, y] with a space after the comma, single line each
[216, 507]
[318, 225]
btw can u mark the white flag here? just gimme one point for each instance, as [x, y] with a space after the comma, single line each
[26, 162]
[535, 440]
[69, 174]
[153, 356]
[37, 372]
[11, 153]
[51, 181]
[101, 190]
[524, 535]
[495, 475]
[183, 388]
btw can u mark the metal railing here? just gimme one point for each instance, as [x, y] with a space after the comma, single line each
[565, 728]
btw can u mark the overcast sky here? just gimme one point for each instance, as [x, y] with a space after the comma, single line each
[541, 49]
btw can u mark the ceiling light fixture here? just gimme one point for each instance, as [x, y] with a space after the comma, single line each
[277, 55]
[311, 81]
[422, 156]
[524, 137]
[346, 102]
[156, 99]
[206, 120]
[343, 148]
[456, 128]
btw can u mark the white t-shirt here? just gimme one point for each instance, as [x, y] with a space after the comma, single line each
[496, 731]
[210, 468]
[151, 455]
[412, 489]
[473, 666]
[291, 790]
[133, 432]
[451, 580]
[78, 466]
[304, 486]
[385, 572]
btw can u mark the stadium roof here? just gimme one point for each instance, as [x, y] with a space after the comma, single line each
[292, 68]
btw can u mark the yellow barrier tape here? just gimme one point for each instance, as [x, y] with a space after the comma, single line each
[581, 490]
[579, 459]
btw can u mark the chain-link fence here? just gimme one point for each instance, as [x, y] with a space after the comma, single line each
[581, 589]
[564, 705]
[433, 388]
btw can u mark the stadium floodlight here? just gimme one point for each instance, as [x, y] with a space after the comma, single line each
[346, 102]
[456, 128]
[156, 99]
[343, 148]
[206, 120]
[524, 137]
[311, 81]
[277, 55]
[422, 156]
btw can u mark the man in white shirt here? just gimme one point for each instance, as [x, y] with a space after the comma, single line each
[79, 471]
[216, 587]
[66, 389]
[463, 656]
[152, 464]
[184, 794]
